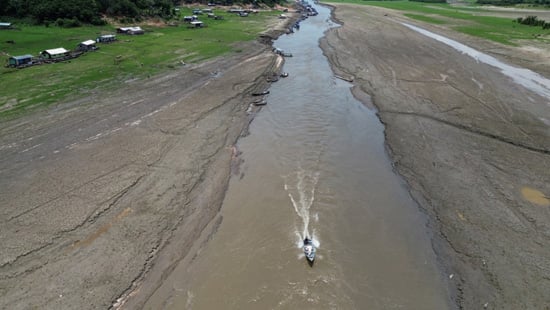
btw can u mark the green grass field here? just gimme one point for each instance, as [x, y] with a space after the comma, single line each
[141, 56]
[467, 20]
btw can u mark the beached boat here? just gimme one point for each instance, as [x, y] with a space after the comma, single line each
[262, 93]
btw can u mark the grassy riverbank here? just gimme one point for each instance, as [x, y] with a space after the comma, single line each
[471, 20]
[162, 48]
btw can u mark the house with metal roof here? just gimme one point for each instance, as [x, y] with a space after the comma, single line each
[88, 45]
[196, 24]
[55, 53]
[6, 25]
[190, 18]
[17, 61]
[106, 38]
[130, 30]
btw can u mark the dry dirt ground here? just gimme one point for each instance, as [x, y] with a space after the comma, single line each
[473, 146]
[101, 197]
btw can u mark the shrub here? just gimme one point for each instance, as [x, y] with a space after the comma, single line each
[68, 22]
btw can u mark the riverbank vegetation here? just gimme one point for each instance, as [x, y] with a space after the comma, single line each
[523, 3]
[470, 20]
[161, 48]
[78, 12]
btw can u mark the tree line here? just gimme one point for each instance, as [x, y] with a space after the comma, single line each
[74, 12]
[514, 2]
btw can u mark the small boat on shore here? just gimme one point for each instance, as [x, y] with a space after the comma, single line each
[347, 79]
[262, 93]
[259, 102]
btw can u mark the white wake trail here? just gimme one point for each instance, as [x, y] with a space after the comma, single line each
[301, 190]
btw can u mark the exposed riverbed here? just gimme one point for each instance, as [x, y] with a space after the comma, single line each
[314, 164]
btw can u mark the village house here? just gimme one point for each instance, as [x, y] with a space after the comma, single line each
[17, 61]
[235, 10]
[55, 53]
[6, 25]
[106, 38]
[130, 30]
[86, 46]
[190, 18]
[196, 24]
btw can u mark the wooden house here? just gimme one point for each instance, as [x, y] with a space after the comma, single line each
[18, 61]
[196, 24]
[106, 38]
[86, 46]
[6, 25]
[130, 30]
[55, 53]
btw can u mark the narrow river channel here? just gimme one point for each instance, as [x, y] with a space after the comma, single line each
[313, 164]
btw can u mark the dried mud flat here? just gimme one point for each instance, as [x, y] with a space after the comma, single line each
[473, 146]
[101, 197]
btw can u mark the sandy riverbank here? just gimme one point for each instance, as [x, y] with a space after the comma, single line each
[473, 147]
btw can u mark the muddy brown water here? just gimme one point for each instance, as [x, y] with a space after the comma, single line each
[314, 164]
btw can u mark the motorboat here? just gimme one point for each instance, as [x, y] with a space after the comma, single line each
[309, 250]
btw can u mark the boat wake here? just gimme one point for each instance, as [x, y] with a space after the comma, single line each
[300, 186]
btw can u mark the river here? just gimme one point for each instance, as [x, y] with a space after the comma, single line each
[314, 164]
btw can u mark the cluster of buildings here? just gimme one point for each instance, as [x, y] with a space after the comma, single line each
[61, 54]
[51, 55]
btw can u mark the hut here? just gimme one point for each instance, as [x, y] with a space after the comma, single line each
[86, 46]
[235, 10]
[55, 53]
[196, 24]
[106, 38]
[130, 30]
[6, 25]
[17, 61]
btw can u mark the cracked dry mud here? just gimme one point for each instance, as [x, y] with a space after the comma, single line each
[473, 146]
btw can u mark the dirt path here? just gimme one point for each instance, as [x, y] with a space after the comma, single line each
[473, 146]
[93, 191]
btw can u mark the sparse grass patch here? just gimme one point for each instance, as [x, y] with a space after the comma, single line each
[463, 19]
[426, 19]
